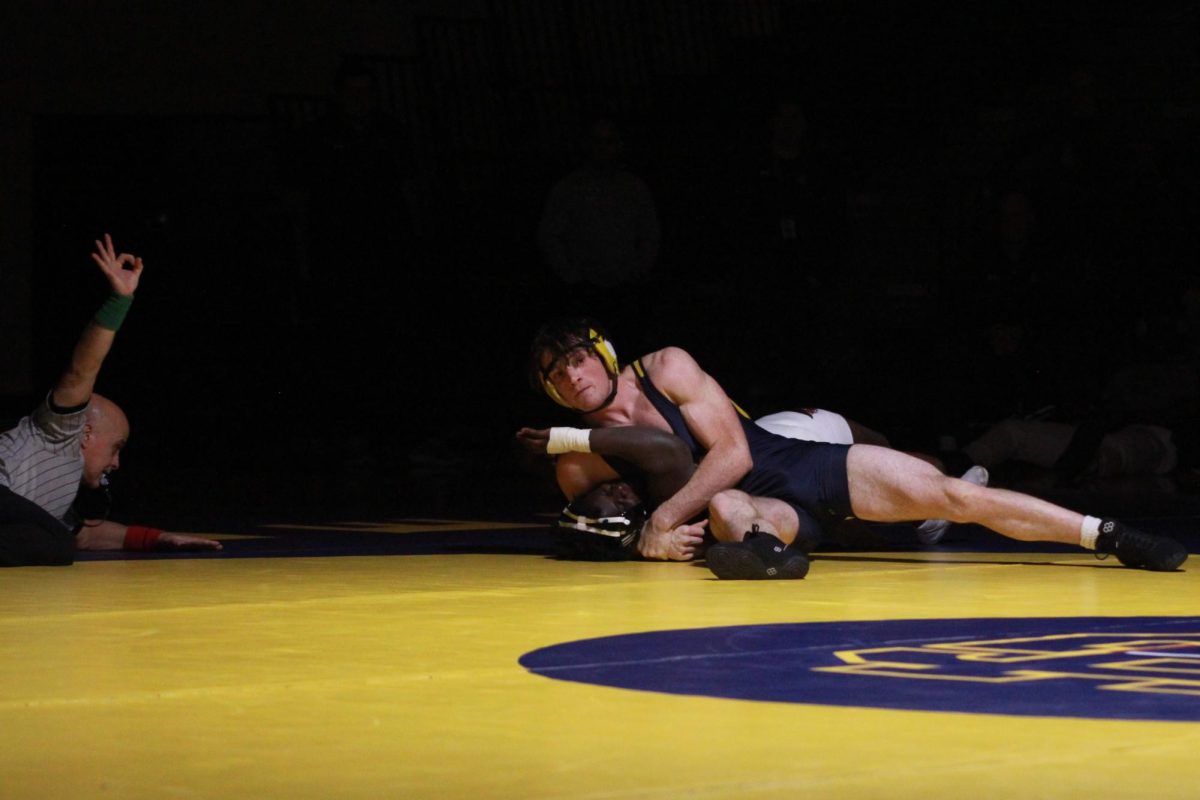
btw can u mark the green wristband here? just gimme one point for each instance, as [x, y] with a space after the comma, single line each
[113, 312]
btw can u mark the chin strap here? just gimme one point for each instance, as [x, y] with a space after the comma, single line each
[612, 394]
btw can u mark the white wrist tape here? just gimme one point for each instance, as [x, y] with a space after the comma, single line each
[569, 440]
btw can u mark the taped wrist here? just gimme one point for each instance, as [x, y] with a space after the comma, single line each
[569, 440]
[113, 312]
[138, 537]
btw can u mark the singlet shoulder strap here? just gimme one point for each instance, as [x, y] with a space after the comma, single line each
[666, 407]
[644, 379]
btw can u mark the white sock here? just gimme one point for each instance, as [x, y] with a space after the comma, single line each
[1088, 532]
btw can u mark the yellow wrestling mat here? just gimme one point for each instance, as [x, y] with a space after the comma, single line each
[399, 677]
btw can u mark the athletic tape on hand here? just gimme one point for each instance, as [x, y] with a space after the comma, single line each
[569, 440]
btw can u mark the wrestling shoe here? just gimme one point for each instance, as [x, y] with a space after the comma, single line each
[759, 556]
[1133, 548]
[931, 531]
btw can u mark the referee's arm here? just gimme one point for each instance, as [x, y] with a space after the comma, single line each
[74, 387]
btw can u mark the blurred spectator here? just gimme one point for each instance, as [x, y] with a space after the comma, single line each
[599, 231]
[789, 209]
[784, 215]
[1076, 450]
[354, 165]
[356, 162]
[1019, 350]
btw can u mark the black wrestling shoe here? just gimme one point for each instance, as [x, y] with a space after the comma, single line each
[1133, 548]
[757, 557]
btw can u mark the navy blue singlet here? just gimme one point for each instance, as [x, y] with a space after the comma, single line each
[808, 476]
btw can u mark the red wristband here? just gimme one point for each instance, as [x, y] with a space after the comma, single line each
[141, 538]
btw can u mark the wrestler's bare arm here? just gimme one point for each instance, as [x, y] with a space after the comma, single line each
[660, 457]
[712, 420]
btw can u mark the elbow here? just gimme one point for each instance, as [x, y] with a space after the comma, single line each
[739, 461]
[100, 535]
[75, 375]
[744, 464]
[676, 449]
[86, 539]
[75, 381]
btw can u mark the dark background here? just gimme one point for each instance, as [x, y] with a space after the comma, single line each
[280, 358]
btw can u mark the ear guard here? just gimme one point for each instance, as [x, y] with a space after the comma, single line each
[603, 349]
[579, 537]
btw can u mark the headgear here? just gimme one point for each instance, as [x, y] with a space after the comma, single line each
[560, 338]
[577, 536]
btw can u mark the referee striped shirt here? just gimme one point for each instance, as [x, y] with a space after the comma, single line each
[41, 458]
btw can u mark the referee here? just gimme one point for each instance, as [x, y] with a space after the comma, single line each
[74, 437]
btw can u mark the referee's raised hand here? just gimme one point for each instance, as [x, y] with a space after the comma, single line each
[123, 271]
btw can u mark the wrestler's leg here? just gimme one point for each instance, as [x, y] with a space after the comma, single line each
[756, 536]
[889, 486]
[886, 486]
[732, 513]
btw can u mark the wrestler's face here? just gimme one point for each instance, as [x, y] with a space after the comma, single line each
[579, 377]
[101, 447]
[610, 499]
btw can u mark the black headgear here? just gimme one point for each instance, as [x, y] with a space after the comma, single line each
[580, 537]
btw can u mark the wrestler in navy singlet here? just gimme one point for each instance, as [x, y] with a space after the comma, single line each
[808, 476]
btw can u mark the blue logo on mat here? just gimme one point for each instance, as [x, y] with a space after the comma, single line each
[1100, 667]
